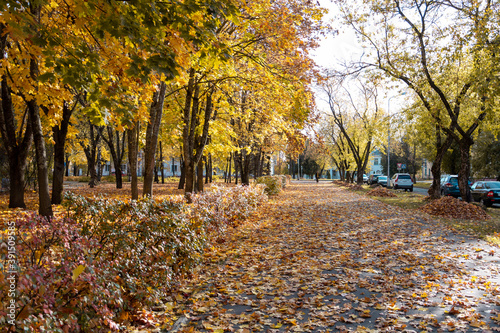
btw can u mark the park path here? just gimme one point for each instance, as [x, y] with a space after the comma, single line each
[318, 258]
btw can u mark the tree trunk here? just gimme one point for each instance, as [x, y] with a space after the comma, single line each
[226, 172]
[99, 164]
[318, 174]
[236, 166]
[191, 109]
[230, 167]
[161, 165]
[262, 163]
[133, 144]
[155, 172]
[199, 178]
[17, 147]
[91, 169]
[207, 166]
[182, 179]
[17, 168]
[152, 131]
[45, 207]
[59, 135]
[189, 180]
[210, 168]
[414, 163]
[244, 161]
[255, 164]
[117, 152]
[464, 173]
[67, 166]
[90, 151]
[435, 189]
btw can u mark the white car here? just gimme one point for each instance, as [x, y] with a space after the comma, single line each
[382, 180]
[402, 181]
[365, 179]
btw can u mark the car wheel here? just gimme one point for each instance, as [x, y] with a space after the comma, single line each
[482, 202]
[395, 186]
[487, 203]
[411, 189]
[442, 193]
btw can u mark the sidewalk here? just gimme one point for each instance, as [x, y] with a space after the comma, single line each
[321, 259]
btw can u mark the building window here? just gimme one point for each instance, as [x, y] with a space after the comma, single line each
[375, 161]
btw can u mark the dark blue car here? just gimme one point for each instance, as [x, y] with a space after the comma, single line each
[449, 186]
[486, 192]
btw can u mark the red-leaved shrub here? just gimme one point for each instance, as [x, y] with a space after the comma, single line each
[87, 271]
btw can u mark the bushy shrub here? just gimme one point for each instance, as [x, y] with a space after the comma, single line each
[274, 184]
[154, 240]
[110, 178]
[92, 269]
[48, 296]
[223, 206]
[83, 179]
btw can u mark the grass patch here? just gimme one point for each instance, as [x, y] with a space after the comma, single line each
[366, 189]
[424, 185]
[488, 230]
[405, 200]
[363, 189]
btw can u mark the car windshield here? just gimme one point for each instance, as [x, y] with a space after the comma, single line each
[493, 185]
[382, 178]
[454, 181]
[404, 177]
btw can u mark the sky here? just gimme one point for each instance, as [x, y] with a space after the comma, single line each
[334, 49]
[343, 47]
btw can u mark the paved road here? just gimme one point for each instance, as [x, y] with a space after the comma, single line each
[419, 190]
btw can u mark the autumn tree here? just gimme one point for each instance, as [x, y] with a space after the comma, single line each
[89, 138]
[116, 144]
[315, 157]
[445, 52]
[355, 111]
[337, 148]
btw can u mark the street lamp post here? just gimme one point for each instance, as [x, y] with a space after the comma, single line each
[389, 139]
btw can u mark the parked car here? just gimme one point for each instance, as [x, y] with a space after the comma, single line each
[486, 192]
[449, 186]
[365, 179]
[402, 181]
[373, 179]
[382, 180]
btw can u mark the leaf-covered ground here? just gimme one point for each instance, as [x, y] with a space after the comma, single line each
[319, 258]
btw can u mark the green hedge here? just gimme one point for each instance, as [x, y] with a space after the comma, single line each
[274, 184]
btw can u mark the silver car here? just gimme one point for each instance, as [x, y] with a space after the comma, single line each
[402, 181]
